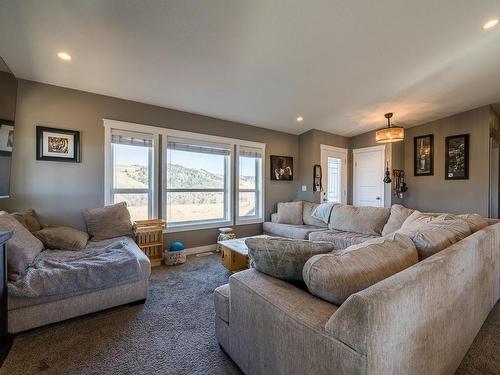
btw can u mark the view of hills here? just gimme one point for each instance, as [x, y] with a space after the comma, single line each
[182, 206]
[136, 176]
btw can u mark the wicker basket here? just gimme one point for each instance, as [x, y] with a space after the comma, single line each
[149, 238]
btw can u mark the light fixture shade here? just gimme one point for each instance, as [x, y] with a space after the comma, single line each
[389, 135]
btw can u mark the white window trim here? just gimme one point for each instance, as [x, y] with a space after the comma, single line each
[165, 133]
[249, 220]
[108, 157]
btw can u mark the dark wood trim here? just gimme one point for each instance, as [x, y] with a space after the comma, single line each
[39, 144]
[431, 173]
[447, 157]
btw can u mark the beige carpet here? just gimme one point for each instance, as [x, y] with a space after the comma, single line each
[173, 333]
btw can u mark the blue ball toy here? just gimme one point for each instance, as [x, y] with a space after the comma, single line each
[177, 246]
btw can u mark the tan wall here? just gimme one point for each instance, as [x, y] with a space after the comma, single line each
[310, 154]
[59, 191]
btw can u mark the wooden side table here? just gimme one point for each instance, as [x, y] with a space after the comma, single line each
[234, 254]
[5, 338]
[149, 238]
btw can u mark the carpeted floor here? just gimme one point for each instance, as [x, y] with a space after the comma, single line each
[173, 333]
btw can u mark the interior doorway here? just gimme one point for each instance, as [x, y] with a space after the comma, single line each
[368, 184]
[334, 170]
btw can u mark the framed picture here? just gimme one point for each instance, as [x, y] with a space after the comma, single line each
[423, 155]
[57, 144]
[6, 137]
[281, 168]
[457, 157]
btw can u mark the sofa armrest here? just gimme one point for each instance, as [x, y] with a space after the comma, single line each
[423, 319]
[277, 328]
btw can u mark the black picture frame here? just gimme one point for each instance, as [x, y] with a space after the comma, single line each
[11, 124]
[283, 163]
[423, 155]
[41, 152]
[456, 165]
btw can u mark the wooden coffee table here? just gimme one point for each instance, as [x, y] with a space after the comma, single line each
[235, 254]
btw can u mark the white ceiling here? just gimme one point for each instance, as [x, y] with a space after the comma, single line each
[340, 64]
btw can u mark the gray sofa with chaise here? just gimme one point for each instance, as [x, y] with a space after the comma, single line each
[420, 320]
[47, 286]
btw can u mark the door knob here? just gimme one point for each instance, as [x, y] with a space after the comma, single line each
[378, 198]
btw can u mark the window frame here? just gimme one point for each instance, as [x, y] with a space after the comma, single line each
[109, 189]
[228, 198]
[159, 192]
[259, 198]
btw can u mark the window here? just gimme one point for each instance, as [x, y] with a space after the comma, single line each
[249, 194]
[131, 162]
[334, 180]
[207, 181]
[198, 181]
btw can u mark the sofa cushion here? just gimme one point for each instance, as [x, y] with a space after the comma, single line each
[334, 277]
[28, 219]
[397, 217]
[290, 213]
[221, 301]
[298, 232]
[476, 222]
[366, 220]
[307, 212]
[62, 238]
[108, 222]
[341, 240]
[283, 258]
[22, 248]
[436, 235]
[418, 218]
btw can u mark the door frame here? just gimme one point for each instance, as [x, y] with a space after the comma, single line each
[355, 153]
[344, 154]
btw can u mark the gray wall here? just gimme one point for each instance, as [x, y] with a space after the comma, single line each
[434, 193]
[8, 95]
[59, 191]
[310, 154]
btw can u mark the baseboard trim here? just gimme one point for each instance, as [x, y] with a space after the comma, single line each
[201, 249]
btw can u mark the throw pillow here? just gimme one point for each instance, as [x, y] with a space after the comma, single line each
[283, 258]
[418, 218]
[62, 238]
[322, 212]
[108, 222]
[308, 217]
[28, 219]
[398, 216]
[476, 222]
[22, 248]
[290, 213]
[334, 277]
[436, 235]
[365, 220]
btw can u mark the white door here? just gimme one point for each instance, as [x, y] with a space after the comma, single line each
[334, 170]
[368, 184]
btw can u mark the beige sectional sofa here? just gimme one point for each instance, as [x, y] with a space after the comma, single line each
[421, 320]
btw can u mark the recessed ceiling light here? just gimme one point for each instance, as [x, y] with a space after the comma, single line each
[64, 56]
[300, 119]
[490, 24]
